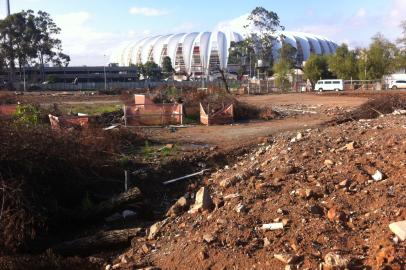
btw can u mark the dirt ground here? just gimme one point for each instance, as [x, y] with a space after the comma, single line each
[315, 179]
[303, 111]
[305, 99]
[318, 184]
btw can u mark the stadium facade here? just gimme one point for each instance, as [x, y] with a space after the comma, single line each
[200, 53]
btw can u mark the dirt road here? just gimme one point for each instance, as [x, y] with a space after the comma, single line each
[245, 133]
[237, 134]
[308, 99]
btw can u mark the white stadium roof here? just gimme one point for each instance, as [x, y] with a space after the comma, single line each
[191, 52]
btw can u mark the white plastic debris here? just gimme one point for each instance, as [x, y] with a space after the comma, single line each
[273, 226]
[378, 176]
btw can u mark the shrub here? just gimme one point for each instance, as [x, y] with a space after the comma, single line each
[27, 114]
[47, 177]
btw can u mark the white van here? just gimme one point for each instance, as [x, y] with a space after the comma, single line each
[399, 84]
[329, 85]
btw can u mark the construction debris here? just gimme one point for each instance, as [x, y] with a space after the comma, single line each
[321, 205]
[272, 226]
[378, 176]
[203, 200]
[399, 229]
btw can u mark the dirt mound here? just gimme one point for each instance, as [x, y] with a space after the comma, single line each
[383, 104]
[300, 199]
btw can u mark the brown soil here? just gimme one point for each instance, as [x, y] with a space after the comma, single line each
[272, 173]
[345, 211]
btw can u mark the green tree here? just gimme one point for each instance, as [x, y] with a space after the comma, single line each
[343, 64]
[28, 38]
[263, 24]
[378, 60]
[316, 68]
[242, 54]
[152, 71]
[401, 56]
[167, 68]
[49, 48]
[402, 40]
[283, 68]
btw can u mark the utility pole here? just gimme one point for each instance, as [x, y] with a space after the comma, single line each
[105, 75]
[8, 7]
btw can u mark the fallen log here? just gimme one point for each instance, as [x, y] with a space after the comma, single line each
[98, 242]
[109, 206]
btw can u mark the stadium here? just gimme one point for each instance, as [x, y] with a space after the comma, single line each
[201, 53]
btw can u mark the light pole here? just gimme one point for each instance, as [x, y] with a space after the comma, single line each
[105, 75]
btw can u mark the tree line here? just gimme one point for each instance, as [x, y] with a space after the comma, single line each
[380, 58]
[30, 39]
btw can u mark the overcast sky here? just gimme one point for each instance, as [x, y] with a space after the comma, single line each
[91, 29]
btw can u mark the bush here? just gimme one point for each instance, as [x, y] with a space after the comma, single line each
[384, 104]
[47, 177]
[27, 114]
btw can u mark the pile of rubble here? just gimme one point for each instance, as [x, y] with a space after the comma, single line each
[332, 198]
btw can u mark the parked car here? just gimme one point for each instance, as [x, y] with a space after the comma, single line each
[397, 84]
[329, 85]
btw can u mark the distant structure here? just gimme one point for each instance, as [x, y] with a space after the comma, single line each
[201, 53]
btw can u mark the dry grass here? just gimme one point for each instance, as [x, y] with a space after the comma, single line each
[383, 104]
[45, 175]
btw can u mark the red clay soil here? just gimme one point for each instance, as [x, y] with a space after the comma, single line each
[317, 182]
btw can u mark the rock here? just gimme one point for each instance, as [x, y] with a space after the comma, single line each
[108, 267]
[350, 146]
[316, 210]
[203, 255]
[267, 243]
[378, 176]
[116, 266]
[287, 258]
[285, 221]
[343, 183]
[331, 214]
[399, 229]
[125, 259]
[209, 238]
[335, 261]
[328, 162]
[291, 267]
[181, 205]
[169, 146]
[240, 208]
[203, 200]
[154, 230]
[305, 193]
[146, 248]
[228, 182]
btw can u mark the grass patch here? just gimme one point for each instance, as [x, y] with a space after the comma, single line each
[90, 109]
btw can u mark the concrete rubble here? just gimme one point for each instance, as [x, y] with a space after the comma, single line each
[321, 201]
